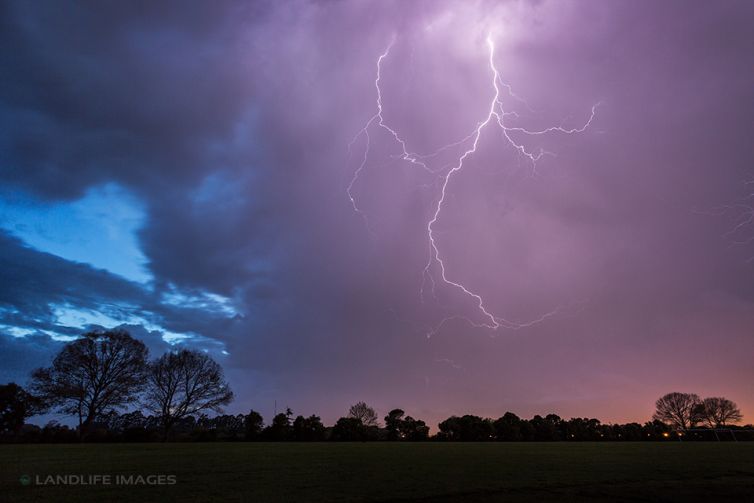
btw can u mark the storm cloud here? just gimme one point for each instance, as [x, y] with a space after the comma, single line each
[233, 127]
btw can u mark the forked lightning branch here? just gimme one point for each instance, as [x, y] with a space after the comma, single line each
[435, 269]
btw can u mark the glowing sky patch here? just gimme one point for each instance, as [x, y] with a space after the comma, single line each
[15, 331]
[173, 338]
[79, 318]
[205, 301]
[98, 229]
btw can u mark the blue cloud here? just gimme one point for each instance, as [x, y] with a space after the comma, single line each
[99, 229]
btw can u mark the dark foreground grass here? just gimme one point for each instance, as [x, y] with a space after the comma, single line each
[510, 472]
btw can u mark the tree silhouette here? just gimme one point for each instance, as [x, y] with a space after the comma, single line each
[253, 425]
[184, 383]
[508, 427]
[363, 413]
[466, 428]
[546, 428]
[414, 429]
[578, 428]
[679, 410]
[393, 423]
[399, 427]
[307, 429]
[99, 372]
[15, 406]
[719, 411]
[349, 429]
[280, 429]
[222, 427]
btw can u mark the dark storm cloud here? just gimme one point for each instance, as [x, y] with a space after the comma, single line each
[21, 354]
[111, 91]
[231, 121]
[145, 97]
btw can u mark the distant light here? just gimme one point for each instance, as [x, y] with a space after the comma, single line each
[666, 434]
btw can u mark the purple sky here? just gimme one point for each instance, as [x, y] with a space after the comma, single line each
[185, 171]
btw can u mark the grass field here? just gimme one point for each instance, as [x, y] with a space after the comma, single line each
[510, 472]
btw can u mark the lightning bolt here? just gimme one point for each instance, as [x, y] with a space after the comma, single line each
[745, 209]
[496, 115]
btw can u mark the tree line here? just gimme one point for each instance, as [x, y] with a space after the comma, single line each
[106, 371]
[106, 381]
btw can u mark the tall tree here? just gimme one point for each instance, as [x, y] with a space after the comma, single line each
[253, 424]
[679, 410]
[92, 375]
[719, 411]
[183, 383]
[394, 423]
[364, 413]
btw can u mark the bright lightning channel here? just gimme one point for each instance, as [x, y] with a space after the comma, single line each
[496, 115]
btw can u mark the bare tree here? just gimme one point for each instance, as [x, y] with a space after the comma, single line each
[679, 410]
[718, 411]
[183, 383]
[364, 413]
[93, 375]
